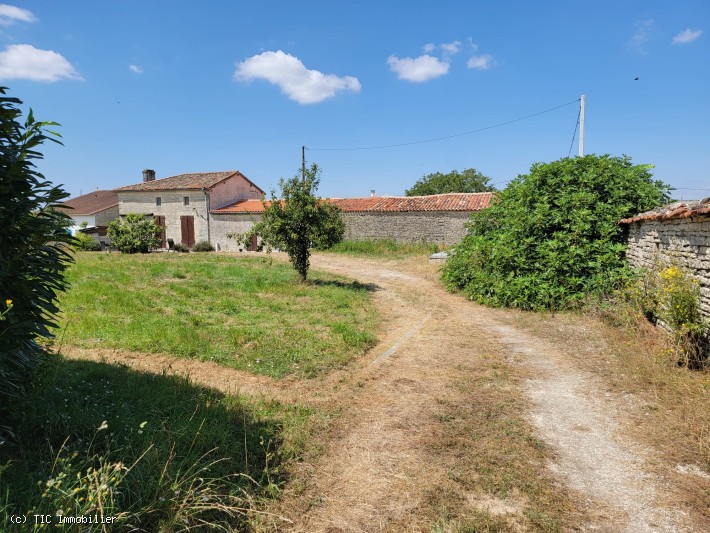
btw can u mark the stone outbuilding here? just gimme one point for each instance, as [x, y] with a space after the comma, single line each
[182, 205]
[676, 232]
[439, 218]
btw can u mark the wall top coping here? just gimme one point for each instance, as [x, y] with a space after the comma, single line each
[676, 210]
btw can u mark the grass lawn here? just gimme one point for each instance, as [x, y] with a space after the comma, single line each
[157, 452]
[244, 313]
[383, 248]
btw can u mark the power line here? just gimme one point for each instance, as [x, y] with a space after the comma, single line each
[579, 113]
[446, 136]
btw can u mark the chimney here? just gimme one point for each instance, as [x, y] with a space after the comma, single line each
[372, 193]
[148, 175]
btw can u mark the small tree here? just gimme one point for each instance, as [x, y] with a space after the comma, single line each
[33, 246]
[299, 220]
[470, 180]
[134, 234]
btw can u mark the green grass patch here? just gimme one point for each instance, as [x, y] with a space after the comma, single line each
[242, 313]
[155, 451]
[384, 248]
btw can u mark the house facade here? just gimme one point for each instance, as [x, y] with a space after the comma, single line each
[182, 205]
[94, 209]
[439, 218]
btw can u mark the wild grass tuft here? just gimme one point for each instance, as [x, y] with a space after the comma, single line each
[383, 248]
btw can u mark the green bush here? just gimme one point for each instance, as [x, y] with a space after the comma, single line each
[203, 246]
[34, 247]
[134, 234]
[180, 247]
[85, 243]
[551, 238]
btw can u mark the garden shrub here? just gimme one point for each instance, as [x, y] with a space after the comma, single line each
[551, 237]
[134, 234]
[86, 243]
[34, 247]
[203, 246]
[180, 247]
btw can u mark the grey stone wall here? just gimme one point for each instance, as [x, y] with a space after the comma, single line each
[441, 227]
[686, 240]
[222, 225]
[106, 216]
[171, 207]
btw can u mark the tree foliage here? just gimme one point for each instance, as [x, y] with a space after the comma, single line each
[34, 245]
[134, 234]
[551, 237]
[470, 180]
[299, 221]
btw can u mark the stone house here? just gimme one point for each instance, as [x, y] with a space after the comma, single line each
[439, 218]
[676, 232]
[96, 209]
[182, 205]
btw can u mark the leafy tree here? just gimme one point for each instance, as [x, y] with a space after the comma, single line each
[470, 180]
[134, 234]
[298, 221]
[551, 237]
[34, 249]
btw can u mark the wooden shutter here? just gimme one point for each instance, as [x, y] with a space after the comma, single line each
[187, 230]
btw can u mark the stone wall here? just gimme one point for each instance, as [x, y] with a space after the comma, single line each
[686, 240]
[102, 218]
[223, 224]
[171, 207]
[441, 227]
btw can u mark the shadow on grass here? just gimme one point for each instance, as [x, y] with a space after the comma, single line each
[175, 452]
[349, 285]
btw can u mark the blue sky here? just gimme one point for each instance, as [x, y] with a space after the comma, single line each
[205, 86]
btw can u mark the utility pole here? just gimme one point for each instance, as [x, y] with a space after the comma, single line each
[581, 126]
[303, 163]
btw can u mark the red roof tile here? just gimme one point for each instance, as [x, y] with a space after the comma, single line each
[675, 210]
[380, 204]
[91, 203]
[193, 181]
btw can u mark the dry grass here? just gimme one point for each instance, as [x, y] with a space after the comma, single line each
[670, 403]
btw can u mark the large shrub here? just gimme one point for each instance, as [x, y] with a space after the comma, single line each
[33, 246]
[551, 237]
[134, 234]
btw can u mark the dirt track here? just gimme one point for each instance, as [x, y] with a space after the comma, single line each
[374, 471]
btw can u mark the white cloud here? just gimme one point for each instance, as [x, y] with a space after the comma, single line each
[451, 48]
[25, 62]
[429, 47]
[687, 36]
[303, 85]
[135, 68]
[11, 14]
[638, 40]
[482, 62]
[418, 69]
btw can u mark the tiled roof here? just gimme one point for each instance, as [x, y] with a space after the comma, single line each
[675, 210]
[91, 203]
[393, 204]
[198, 181]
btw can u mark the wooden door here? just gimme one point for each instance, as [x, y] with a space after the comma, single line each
[187, 230]
[160, 222]
[252, 243]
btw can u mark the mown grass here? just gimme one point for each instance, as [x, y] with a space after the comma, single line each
[243, 313]
[155, 451]
[383, 248]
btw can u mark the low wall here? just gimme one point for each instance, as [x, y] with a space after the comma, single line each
[686, 240]
[441, 227]
[222, 225]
